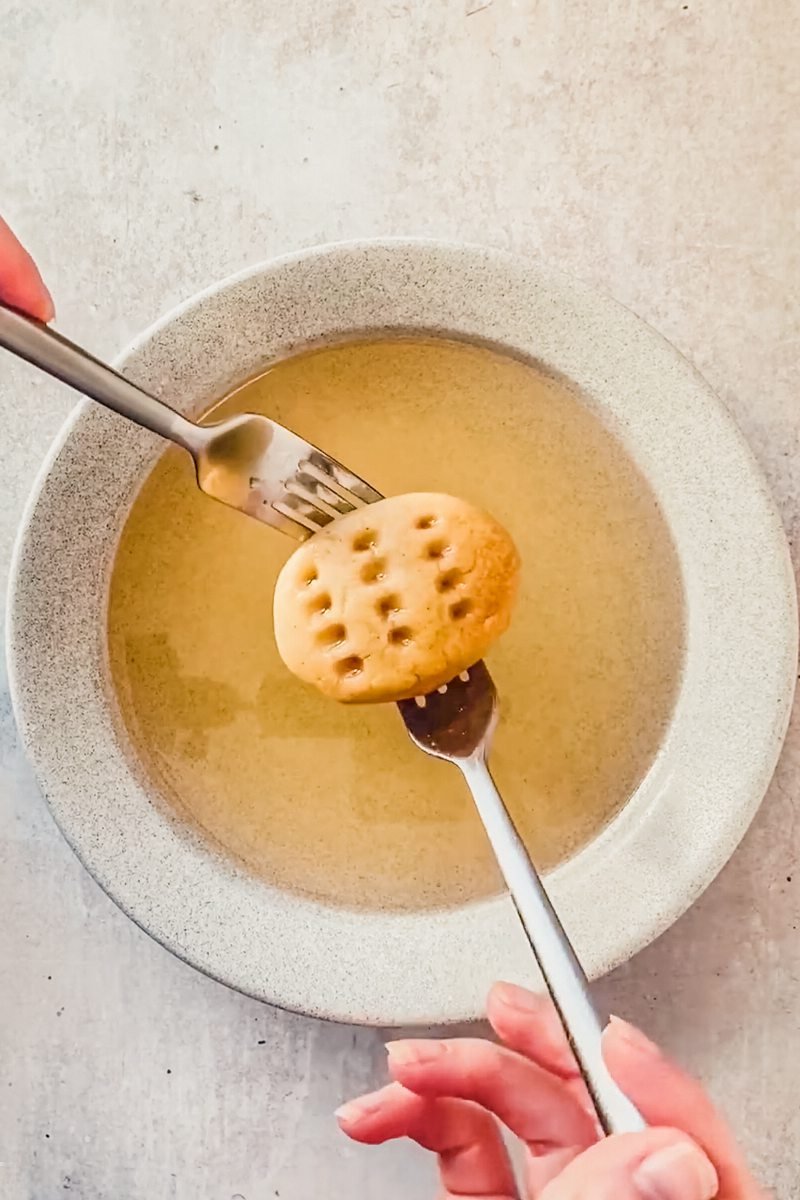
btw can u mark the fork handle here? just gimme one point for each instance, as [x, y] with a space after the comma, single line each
[50, 352]
[563, 974]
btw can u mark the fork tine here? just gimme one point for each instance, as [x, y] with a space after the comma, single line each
[454, 720]
[326, 493]
[301, 519]
[332, 474]
[295, 488]
[321, 490]
[260, 467]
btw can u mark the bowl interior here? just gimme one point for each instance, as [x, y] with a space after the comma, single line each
[234, 742]
[708, 777]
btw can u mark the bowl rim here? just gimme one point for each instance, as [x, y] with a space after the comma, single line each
[493, 917]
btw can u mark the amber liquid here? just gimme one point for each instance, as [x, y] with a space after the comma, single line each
[335, 802]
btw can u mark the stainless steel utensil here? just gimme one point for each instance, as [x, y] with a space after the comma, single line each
[266, 471]
[456, 723]
[247, 462]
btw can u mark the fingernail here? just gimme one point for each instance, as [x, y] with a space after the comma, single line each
[633, 1037]
[518, 998]
[679, 1172]
[357, 1110]
[408, 1054]
[49, 308]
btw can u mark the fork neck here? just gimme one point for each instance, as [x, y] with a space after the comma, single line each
[50, 352]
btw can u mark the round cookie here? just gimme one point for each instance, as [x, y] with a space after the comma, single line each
[396, 598]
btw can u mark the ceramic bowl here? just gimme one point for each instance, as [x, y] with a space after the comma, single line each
[663, 848]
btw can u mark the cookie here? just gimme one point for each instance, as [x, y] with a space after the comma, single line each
[396, 598]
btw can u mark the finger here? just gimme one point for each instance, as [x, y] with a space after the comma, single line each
[20, 282]
[530, 1025]
[532, 1102]
[666, 1095]
[472, 1157]
[659, 1164]
[541, 1171]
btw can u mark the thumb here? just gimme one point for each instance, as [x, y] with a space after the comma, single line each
[20, 282]
[659, 1164]
[666, 1096]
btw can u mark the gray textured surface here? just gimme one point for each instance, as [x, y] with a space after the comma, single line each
[150, 148]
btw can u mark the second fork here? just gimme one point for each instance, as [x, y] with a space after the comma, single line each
[248, 462]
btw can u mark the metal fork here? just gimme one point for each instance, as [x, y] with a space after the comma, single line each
[257, 466]
[456, 723]
[247, 462]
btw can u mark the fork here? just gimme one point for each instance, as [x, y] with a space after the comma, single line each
[456, 723]
[248, 462]
[263, 469]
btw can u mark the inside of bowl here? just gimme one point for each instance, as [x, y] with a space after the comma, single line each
[335, 803]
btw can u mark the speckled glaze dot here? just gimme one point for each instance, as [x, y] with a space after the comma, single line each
[717, 756]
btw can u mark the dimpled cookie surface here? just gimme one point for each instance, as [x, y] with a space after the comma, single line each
[396, 598]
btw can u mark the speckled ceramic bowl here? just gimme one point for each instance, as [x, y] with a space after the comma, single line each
[623, 888]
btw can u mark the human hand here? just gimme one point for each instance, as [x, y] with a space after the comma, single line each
[21, 284]
[448, 1096]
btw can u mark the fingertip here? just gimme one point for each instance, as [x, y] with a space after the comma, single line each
[361, 1134]
[47, 309]
[405, 1057]
[349, 1115]
[680, 1171]
[519, 999]
[21, 284]
[36, 297]
[39, 306]
[620, 1035]
[377, 1116]
[29, 295]
[528, 1023]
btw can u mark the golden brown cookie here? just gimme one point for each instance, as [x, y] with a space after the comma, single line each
[396, 598]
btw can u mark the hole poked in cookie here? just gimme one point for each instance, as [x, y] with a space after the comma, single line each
[367, 539]
[449, 580]
[308, 575]
[332, 635]
[436, 549]
[461, 609]
[350, 666]
[426, 522]
[320, 605]
[401, 635]
[388, 605]
[374, 571]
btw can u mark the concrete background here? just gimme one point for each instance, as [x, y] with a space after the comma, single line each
[148, 148]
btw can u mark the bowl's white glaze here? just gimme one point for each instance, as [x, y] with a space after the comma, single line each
[621, 890]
